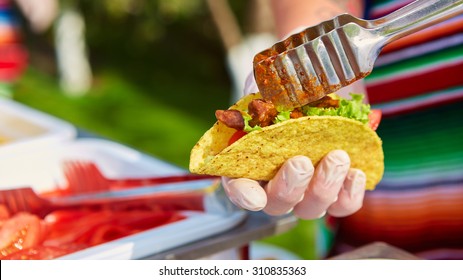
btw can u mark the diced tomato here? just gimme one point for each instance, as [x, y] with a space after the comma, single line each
[21, 231]
[236, 136]
[374, 118]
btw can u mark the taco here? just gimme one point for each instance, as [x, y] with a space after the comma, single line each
[252, 139]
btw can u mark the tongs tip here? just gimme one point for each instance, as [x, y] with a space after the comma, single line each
[306, 66]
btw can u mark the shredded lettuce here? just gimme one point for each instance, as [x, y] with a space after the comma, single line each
[247, 127]
[282, 116]
[352, 109]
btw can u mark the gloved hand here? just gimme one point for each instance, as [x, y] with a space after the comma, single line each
[333, 187]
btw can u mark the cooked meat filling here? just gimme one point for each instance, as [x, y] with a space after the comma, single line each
[231, 118]
[263, 113]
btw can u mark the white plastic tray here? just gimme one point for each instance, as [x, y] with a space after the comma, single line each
[34, 160]
[27, 129]
[195, 227]
[29, 133]
[118, 161]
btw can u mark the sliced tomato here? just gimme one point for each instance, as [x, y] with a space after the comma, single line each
[68, 226]
[142, 220]
[20, 232]
[43, 253]
[93, 227]
[105, 233]
[125, 223]
[236, 136]
[66, 216]
[4, 213]
[374, 118]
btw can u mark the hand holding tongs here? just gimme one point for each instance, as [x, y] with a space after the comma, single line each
[321, 59]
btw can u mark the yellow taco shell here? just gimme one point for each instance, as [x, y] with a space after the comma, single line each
[259, 154]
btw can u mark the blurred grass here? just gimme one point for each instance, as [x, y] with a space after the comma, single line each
[126, 112]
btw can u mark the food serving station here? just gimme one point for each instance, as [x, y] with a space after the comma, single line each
[105, 200]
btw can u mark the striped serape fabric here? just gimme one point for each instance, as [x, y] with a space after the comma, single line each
[418, 84]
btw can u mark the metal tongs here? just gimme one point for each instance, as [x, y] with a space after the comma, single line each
[324, 58]
[25, 199]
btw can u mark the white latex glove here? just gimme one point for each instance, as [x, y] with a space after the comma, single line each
[333, 187]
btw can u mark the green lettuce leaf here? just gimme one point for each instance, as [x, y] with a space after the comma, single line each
[247, 127]
[352, 109]
[282, 116]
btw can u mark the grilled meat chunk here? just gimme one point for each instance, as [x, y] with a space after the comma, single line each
[231, 118]
[262, 112]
